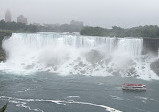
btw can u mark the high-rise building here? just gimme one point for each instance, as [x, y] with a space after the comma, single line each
[22, 19]
[8, 16]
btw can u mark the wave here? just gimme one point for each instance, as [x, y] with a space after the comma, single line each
[23, 103]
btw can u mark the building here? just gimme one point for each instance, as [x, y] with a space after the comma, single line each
[22, 19]
[8, 16]
[77, 23]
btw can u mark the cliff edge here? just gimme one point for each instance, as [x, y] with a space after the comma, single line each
[155, 66]
[3, 34]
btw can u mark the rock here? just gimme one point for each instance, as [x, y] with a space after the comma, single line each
[155, 66]
[4, 108]
[2, 58]
[3, 34]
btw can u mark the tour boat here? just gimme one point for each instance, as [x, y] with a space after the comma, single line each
[128, 86]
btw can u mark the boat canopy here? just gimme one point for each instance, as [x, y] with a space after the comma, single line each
[128, 84]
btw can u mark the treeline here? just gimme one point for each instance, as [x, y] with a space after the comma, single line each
[151, 31]
[60, 28]
[20, 27]
[17, 27]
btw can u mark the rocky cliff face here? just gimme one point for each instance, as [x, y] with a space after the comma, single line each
[3, 34]
[150, 45]
[155, 66]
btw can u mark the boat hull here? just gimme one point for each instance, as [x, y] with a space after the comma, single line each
[134, 89]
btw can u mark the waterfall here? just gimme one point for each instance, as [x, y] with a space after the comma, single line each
[74, 54]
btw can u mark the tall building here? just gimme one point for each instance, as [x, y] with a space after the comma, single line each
[22, 19]
[8, 16]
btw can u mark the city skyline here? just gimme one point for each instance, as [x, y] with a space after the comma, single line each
[19, 19]
[25, 20]
[105, 13]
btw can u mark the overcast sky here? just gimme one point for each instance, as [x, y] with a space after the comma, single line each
[105, 13]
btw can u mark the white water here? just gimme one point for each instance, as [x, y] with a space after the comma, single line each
[23, 103]
[72, 54]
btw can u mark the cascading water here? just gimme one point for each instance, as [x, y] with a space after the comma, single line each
[75, 54]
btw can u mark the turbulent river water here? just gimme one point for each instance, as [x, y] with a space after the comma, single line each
[60, 72]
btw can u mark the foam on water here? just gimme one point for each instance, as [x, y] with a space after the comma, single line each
[77, 55]
[24, 102]
[73, 97]
[116, 97]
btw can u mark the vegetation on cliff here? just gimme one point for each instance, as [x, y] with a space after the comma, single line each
[141, 31]
[3, 34]
[4, 108]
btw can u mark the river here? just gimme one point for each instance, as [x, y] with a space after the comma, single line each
[57, 72]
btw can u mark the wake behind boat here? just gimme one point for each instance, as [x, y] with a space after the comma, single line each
[128, 86]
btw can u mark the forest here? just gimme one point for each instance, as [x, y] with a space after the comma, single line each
[149, 31]
[17, 27]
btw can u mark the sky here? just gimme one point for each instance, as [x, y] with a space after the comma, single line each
[104, 13]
